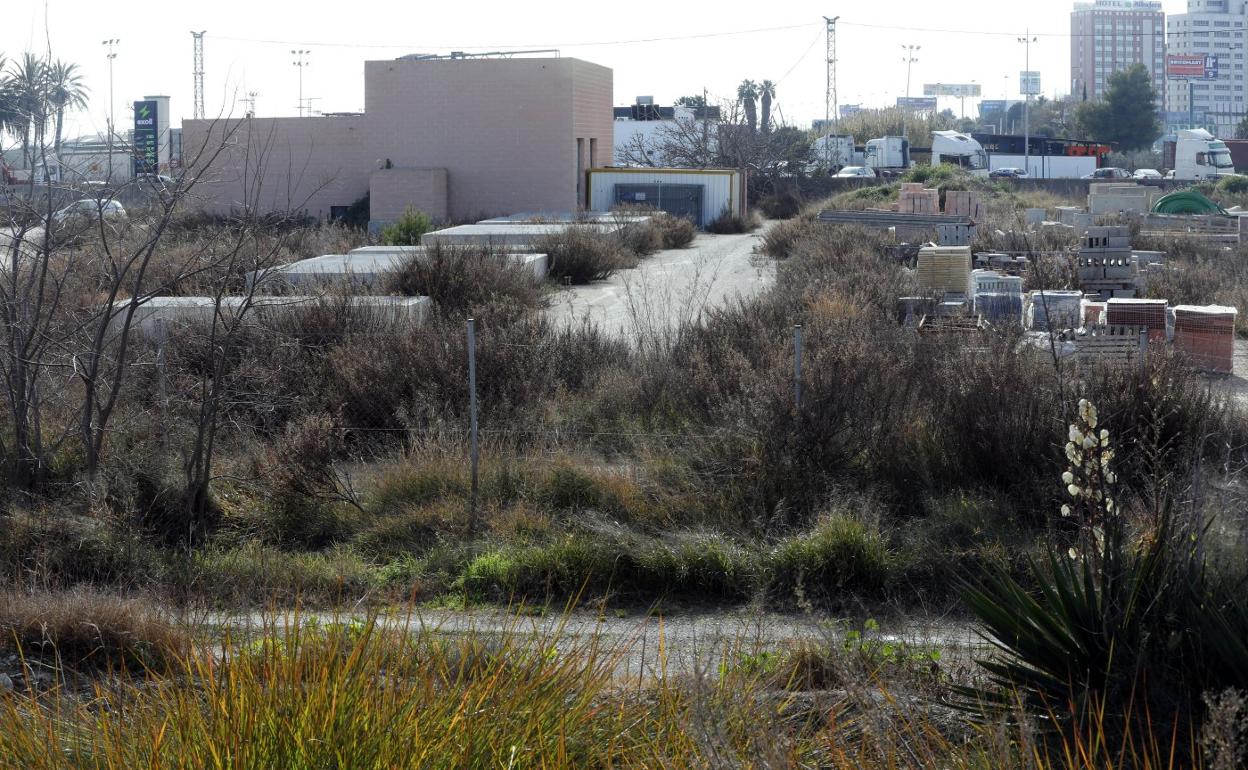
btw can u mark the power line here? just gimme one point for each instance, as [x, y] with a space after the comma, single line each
[597, 43]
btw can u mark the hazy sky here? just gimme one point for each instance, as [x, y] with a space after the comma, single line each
[661, 49]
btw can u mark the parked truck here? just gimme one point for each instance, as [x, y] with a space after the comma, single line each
[836, 151]
[960, 150]
[1196, 154]
[888, 156]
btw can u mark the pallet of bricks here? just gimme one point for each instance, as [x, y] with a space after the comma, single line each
[1106, 268]
[1148, 313]
[1207, 336]
[916, 199]
[1110, 345]
[963, 203]
[944, 270]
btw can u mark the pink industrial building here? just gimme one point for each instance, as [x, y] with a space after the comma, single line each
[456, 138]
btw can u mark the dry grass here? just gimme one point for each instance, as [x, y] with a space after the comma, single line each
[87, 629]
[368, 694]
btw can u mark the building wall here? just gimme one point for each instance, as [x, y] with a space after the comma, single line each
[722, 189]
[504, 130]
[278, 164]
[1214, 27]
[391, 191]
[1108, 36]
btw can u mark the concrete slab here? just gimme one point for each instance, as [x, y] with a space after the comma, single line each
[514, 235]
[366, 268]
[152, 316]
[582, 217]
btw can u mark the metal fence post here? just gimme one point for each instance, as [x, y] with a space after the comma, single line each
[1143, 351]
[472, 419]
[797, 366]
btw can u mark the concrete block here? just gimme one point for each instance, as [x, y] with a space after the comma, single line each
[152, 318]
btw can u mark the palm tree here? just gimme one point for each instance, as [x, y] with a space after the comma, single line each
[8, 100]
[747, 92]
[27, 79]
[66, 91]
[768, 91]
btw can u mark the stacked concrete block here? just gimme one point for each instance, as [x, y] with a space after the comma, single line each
[1034, 217]
[955, 234]
[1106, 267]
[1054, 310]
[963, 203]
[916, 199]
[1119, 198]
[944, 270]
[997, 297]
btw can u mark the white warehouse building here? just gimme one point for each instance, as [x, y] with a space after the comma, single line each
[700, 194]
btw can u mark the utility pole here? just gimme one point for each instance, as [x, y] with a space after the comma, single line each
[1027, 40]
[830, 107]
[909, 59]
[301, 61]
[198, 72]
[112, 54]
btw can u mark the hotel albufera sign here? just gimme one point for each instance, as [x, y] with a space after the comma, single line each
[146, 138]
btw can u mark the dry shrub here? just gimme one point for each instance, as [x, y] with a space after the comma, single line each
[581, 254]
[461, 281]
[89, 629]
[781, 205]
[728, 223]
[780, 238]
[640, 239]
[677, 232]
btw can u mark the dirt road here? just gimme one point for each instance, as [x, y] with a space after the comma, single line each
[669, 288]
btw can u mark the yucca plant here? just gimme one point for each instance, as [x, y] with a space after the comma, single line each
[1111, 638]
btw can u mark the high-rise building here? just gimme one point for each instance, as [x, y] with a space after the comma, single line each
[1205, 87]
[1107, 36]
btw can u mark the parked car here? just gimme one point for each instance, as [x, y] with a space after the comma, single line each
[1109, 172]
[1146, 173]
[158, 180]
[855, 172]
[1170, 174]
[87, 210]
[1007, 173]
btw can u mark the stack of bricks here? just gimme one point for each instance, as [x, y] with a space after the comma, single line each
[1207, 336]
[944, 270]
[1106, 269]
[962, 203]
[916, 199]
[1147, 313]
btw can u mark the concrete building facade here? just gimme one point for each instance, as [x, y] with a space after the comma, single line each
[1210, 28]
[1107, 36]
[456, 138]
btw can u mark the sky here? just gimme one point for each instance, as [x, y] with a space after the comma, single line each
[655, 49]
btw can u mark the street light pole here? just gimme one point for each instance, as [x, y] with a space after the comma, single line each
[909, 59]
[112, 54]
[301, 61]
[1027, 40]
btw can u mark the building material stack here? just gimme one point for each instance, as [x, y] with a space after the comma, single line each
[996, 297]
[1109, 345]
[1106, 267]
[1054, 310]
[963, 203]
[944, 270]
[1121, 197]
[1147, 313]
[916, 199]
[1207, 336]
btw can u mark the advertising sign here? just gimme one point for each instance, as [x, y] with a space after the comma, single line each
[850, 109]
[990, 106]
[917, 103]
[1192, 66]
[962, 90]
[146, 138]
[1029, 83]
